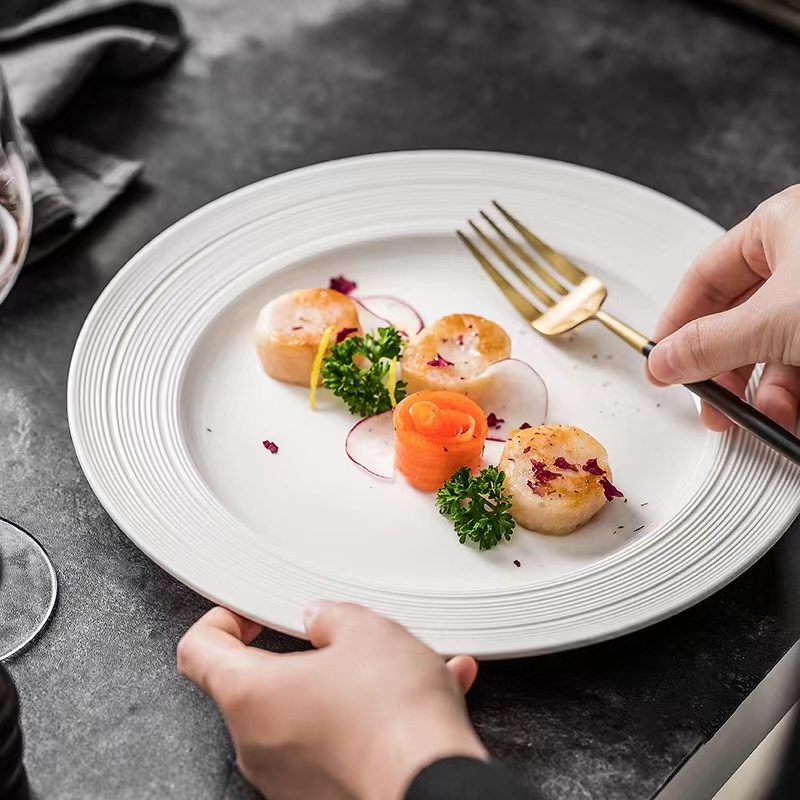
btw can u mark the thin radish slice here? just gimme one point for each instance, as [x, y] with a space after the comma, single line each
[397, 312]
[492, 452]
[370, 322]
[512, 391]
[370, 445]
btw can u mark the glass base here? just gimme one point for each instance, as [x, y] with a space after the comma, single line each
[28, 589]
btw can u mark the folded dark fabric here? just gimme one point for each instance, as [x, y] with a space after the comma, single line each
[463, 778]
[47, 53]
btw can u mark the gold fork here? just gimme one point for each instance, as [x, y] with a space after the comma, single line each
[555, 306]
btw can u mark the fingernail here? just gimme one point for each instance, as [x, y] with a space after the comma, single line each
[313, 610]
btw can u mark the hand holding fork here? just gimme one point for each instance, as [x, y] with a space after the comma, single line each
[749, 283]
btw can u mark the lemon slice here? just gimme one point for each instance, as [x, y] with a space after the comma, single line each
[316, 367]
[392, 382]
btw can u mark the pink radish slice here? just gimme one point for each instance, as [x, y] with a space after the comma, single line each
[370, 322]
[370, 445]
[514, 392]
[396, 312]
[492, 452]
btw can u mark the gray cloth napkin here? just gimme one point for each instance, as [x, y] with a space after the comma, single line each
[48, 50]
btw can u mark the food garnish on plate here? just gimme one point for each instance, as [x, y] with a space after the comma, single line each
[459, 388]
[436, 434]
[362, 371]
[478, 505]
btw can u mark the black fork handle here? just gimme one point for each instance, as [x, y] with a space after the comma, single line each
[744, 415]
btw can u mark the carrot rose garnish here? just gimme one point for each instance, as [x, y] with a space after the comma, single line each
[437, 433]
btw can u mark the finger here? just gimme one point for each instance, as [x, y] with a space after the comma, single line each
[778, 392]
[744, 298]
[326, 620]
[736, 381]
[218, 639]
[464, 670]
[722, 277]
[709, 346]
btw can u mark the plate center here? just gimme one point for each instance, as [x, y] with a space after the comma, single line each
[318, 510]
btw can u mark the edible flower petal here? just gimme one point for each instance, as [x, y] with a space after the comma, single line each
[493, 421]
[344, 333]
[440, 362]
[342, 284]
[562, 463]
[609, 490]
[593, 468]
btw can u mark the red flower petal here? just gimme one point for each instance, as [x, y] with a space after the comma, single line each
[562, 463]
[545, 476]
[440, 362]
[342, 284]
[609, 490]
[493, 421]
[344, 333]
[541, 474]
[593, 468]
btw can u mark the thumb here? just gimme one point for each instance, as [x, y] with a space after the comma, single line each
[464, 670]
[325, 620]
[709, 346]
[216, 642]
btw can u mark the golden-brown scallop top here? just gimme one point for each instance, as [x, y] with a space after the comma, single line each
[553, 474]
[453, 351]
[300, 317]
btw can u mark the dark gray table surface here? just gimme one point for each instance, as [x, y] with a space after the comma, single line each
[686, 97]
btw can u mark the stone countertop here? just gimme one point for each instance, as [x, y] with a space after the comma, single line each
[683, 96]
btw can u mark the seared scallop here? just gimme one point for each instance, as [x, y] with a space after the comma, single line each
[453, 352]
[290, 328]
[558, 478]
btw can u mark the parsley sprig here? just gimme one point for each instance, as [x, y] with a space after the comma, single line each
[363, 388]
[478, 506]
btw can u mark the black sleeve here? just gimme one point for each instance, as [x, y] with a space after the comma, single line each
[465, 779]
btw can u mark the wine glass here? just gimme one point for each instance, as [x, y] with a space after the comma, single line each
[28, 583]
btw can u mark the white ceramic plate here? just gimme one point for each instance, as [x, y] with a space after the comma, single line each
[168, 408]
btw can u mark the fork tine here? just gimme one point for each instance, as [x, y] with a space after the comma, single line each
[521, 303]
[541, 296]
[560, 263]
[532, 263]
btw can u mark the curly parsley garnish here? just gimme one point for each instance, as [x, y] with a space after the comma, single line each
[478, 506]
[363, 388]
